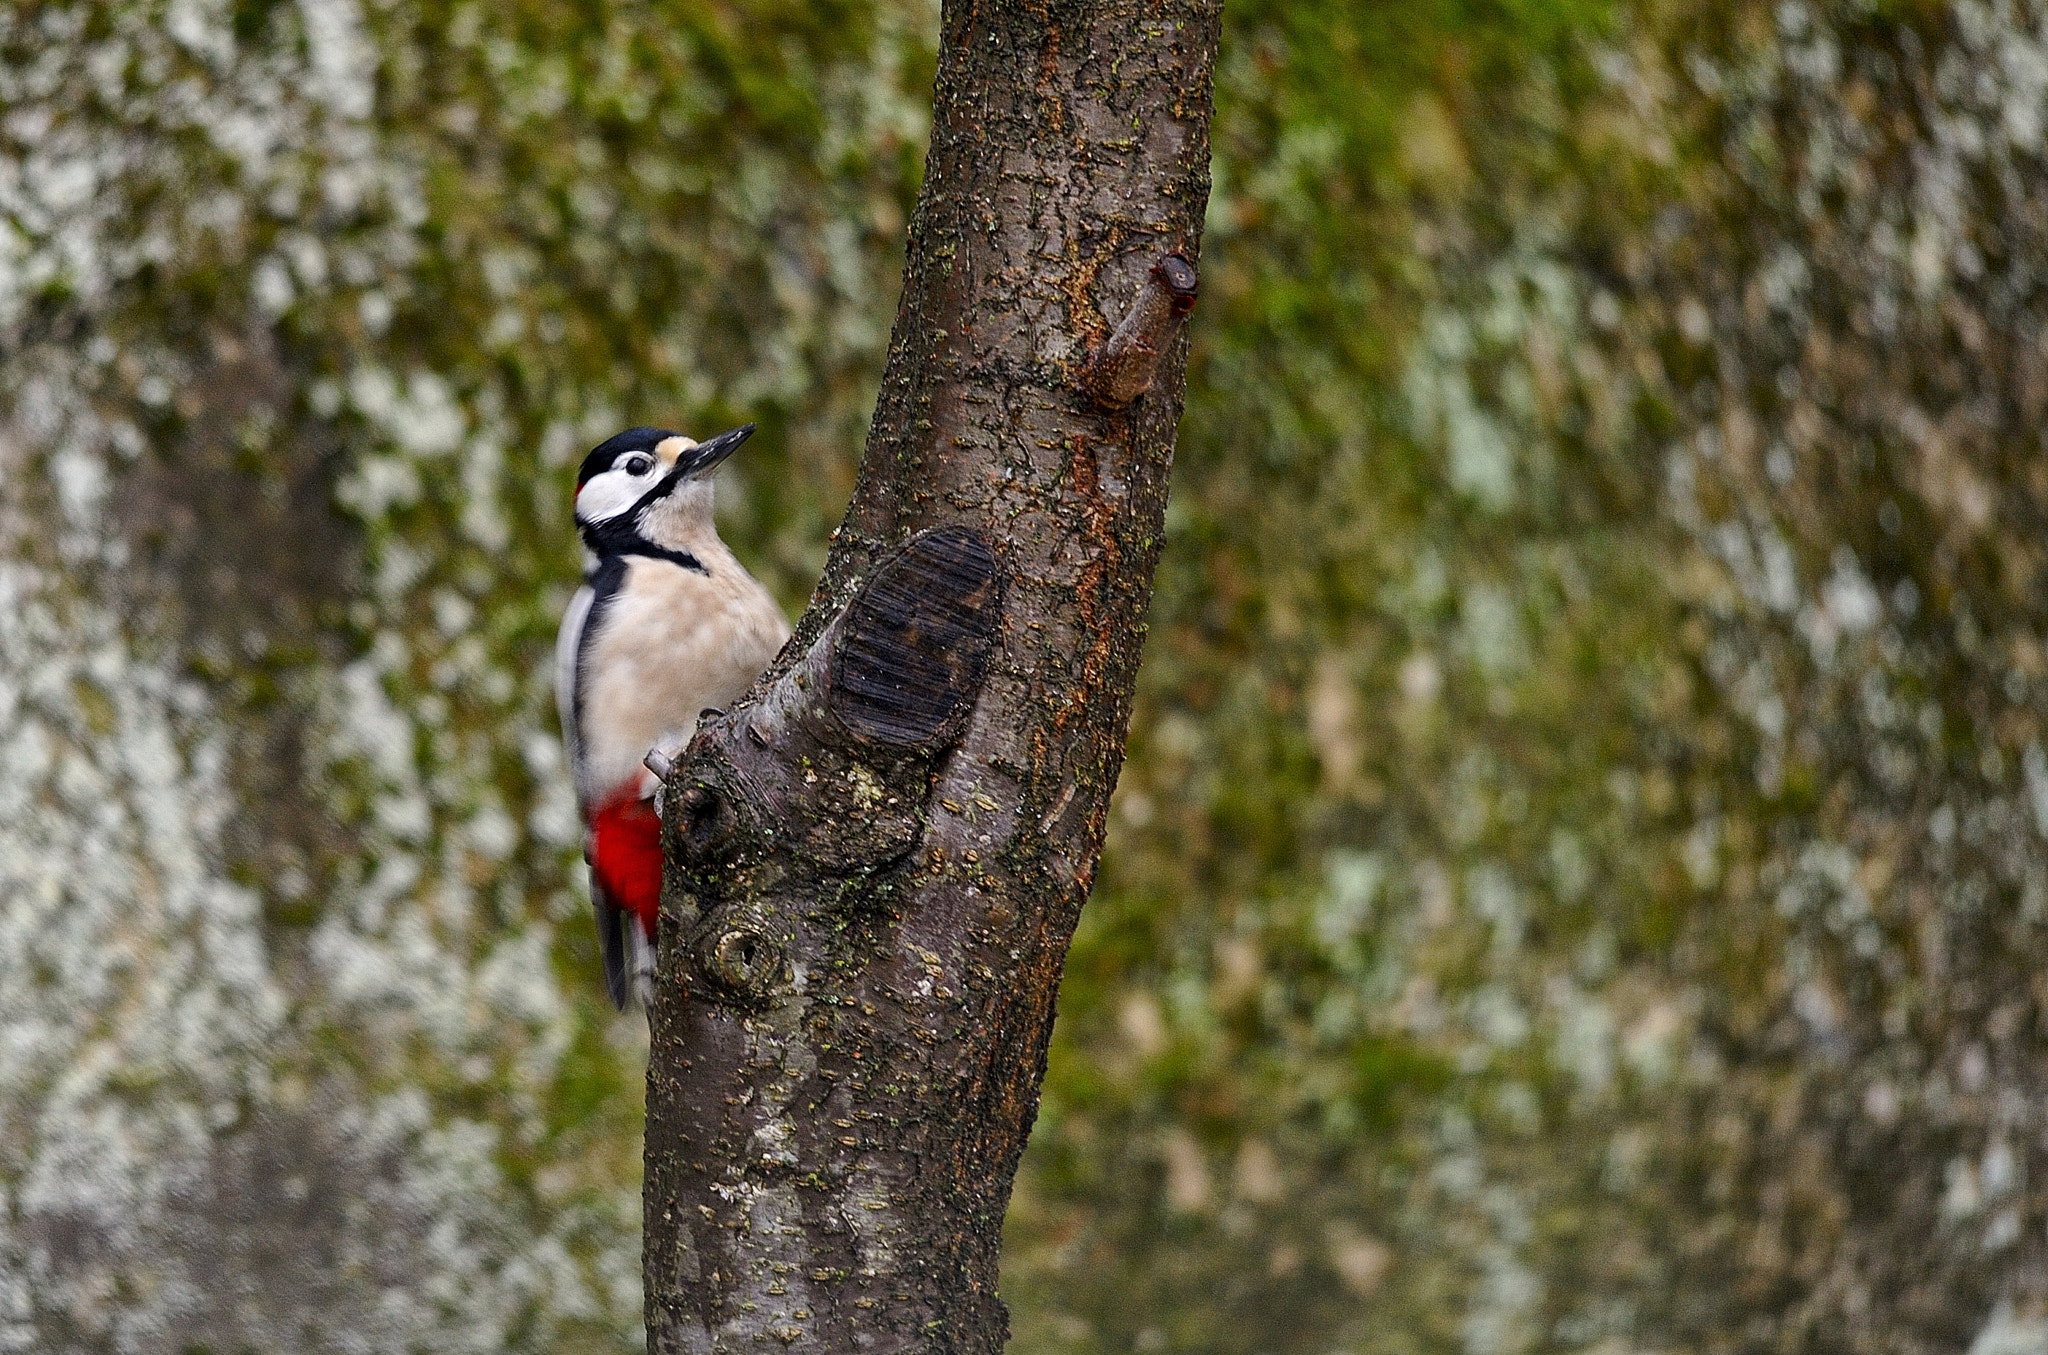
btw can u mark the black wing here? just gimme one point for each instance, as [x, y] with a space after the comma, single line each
[578, 626]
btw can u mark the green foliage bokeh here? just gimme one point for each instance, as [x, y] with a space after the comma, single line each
[1577, 881]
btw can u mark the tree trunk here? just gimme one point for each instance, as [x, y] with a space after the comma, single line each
[876, 862]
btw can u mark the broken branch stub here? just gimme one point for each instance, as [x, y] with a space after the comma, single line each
[1123, 369]
[780, 808]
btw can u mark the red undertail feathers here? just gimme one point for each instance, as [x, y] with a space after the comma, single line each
[625, 855]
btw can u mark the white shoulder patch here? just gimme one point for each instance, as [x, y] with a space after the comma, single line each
[568, 648]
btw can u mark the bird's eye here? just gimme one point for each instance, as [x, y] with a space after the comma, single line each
[637, 464]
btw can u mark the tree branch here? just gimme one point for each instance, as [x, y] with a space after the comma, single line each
[876, 861]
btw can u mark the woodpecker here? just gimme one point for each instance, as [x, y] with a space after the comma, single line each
[666, 625]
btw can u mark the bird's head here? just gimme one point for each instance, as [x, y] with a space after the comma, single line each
[649, 486]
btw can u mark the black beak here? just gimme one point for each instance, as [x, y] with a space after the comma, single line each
[704, 457]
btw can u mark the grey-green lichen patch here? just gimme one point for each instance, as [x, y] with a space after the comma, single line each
[1580, 819]
[308, 310]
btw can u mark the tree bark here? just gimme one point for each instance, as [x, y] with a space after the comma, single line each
[875, 863]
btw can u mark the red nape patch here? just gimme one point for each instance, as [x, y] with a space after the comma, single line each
[625, 853]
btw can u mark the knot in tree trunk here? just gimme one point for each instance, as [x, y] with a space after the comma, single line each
[783, 809]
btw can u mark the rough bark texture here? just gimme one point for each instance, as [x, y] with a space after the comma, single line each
[874, 875]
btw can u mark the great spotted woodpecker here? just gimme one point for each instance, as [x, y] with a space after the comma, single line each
[666, 625]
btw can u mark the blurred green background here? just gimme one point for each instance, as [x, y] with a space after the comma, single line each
[1578, 884]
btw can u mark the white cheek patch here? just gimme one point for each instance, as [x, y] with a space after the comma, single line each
[610, 494]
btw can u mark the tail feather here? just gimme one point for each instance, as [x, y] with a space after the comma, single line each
[612, 943]
[643, 962]
[625, 885]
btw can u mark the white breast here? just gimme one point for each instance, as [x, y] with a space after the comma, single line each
[668, 644]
